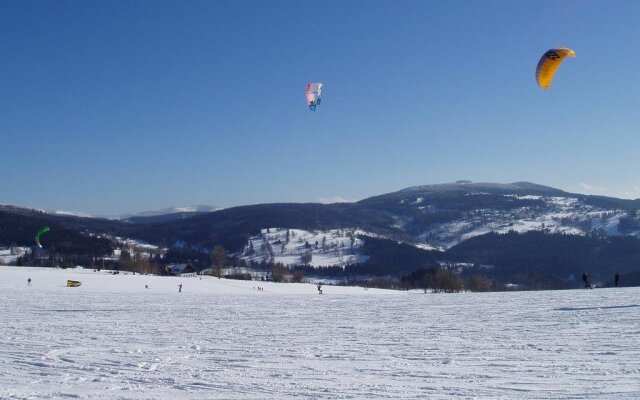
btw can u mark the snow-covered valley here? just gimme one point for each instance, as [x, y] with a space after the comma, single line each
[113, 339]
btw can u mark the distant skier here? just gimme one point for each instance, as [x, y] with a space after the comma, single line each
[616, 279]
[585, 279]
[146, 286]
[180, 288]
[29, 282]
[319, 288]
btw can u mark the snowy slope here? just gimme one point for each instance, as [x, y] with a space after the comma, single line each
[288, 246]
[112, 339]
[565, 215]
[10, 255]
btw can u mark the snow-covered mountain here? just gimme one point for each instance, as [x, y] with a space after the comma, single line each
[68, 213]
[447, 214]
[554, 214]
[166, 214]
[170, 210]
[31, 210]
[385, 234]
[429, 216]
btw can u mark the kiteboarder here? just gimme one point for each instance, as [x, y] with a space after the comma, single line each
[319, 288]
[180, 288]
[29, 282]
[314, 95]
[616, 279]
[585, 279]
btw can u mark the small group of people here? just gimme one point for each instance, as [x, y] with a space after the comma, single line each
[587, 284]
[260, 289]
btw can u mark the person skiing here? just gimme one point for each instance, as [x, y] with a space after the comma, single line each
[319, 288]
[29, 282]
[616, 279]
[585, 279]
[180, 288]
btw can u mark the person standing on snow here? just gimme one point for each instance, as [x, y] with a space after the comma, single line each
[29, 282]
[585, 279]
[180, 288]
[616, 279]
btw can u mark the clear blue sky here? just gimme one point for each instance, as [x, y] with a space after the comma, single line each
[116, 106]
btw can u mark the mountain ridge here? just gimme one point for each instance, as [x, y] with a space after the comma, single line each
[511, 232]
[438, 215]
[460, 186]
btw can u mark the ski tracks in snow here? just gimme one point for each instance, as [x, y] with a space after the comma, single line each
[518, 345]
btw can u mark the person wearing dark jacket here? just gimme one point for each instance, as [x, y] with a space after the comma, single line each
[616, 279]
[585, 279]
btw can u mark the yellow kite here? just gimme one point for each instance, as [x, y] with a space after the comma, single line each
[549, 63]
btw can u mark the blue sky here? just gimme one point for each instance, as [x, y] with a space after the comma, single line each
[116, 106]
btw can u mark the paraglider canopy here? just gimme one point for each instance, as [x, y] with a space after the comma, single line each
[314, 95]
[549, 63]
[41, 231]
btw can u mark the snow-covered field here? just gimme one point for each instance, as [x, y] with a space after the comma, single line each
[113, 339]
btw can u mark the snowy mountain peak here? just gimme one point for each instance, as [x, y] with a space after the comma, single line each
[169, 210]
[69, 213]
[466, 185]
